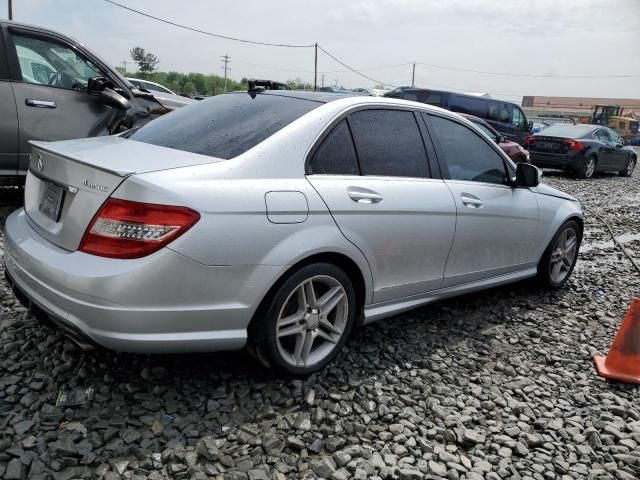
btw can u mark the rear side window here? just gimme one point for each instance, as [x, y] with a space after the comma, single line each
[389, 143]
[473, 106]
[224, 126]
[467, 155]
[336, 154]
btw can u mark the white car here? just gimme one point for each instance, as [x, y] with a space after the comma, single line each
[277, 219]
[166, 97]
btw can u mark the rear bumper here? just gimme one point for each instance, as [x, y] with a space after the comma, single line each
[161, 303]
[561, 161]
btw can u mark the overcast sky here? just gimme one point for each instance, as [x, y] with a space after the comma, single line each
[551, 37]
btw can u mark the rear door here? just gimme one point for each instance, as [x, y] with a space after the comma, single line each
[618, 156]
[50, 86]
[497, 225]
[373, 173]
[8, 118]
[607, 150]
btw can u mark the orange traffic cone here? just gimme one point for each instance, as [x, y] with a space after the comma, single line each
[623, 361]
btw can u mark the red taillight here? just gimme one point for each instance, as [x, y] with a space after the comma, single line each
[124, 229]
[529, 140]
[574, 145]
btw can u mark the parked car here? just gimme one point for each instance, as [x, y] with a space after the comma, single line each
[515, 151]
[46, 93]
[582, 150]
[162, 94]
[507, 118]
[277, 219]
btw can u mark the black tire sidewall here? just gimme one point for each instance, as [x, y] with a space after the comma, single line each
[544, 267]
[264, 332]
[624, 173]
[582, 173]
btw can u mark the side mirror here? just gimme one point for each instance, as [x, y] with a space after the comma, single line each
[530, 126]
[627, 142]
[527, 175]
[501, 139]
[112, 99]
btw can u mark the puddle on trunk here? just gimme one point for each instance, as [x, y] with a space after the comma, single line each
[624, 238]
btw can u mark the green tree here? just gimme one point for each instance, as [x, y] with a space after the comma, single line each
[189, 88]
[147, 62]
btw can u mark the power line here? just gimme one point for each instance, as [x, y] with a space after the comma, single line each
[205, 32]
[531, 75]
[353, 69]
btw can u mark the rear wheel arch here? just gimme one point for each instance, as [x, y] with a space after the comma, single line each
[348, 265]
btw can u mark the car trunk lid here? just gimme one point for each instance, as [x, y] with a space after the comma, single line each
[546, 144]
[68, 181]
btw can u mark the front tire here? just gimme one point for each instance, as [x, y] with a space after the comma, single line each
[559, 259]
[628, 171]
[306, 320]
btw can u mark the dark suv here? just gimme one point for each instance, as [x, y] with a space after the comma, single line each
[507, 118]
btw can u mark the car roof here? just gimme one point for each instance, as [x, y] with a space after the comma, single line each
[13, 23]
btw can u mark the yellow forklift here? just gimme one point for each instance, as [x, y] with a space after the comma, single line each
[611, 116]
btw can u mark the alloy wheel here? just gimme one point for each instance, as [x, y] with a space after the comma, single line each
[312, 320]
[590, 167]
[630, 166]
[563, 255]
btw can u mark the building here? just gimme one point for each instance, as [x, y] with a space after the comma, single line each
[563, 106]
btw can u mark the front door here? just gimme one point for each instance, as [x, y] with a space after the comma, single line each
[51, 96]
[372, 172]
[497, 225]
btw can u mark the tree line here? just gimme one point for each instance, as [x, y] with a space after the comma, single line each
[192, 83]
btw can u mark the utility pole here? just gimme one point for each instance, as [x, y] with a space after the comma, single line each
[413, 76]
[10, 9]
[315, 69]
[124, 63]
[322, 76]
[225, 66]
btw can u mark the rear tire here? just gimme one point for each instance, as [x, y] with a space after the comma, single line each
[628, 171]
[559, 259]
[305, 321]
[588, 169]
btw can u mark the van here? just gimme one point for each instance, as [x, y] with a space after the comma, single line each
[506, 117]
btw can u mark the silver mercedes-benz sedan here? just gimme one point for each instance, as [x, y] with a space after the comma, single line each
[278, 220]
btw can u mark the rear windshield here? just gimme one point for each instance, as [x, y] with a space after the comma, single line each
[569, 131]
[224, 126]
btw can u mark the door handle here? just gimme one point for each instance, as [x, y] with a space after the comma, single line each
[30, 102]
[471, 201]
[364, 196]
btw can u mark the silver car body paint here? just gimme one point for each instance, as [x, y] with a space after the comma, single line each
[260, 215]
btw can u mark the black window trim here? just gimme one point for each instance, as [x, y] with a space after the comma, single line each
[434, 173]
[510, 169]
[4, 65]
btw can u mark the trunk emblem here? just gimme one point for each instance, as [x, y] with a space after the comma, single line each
[40, 163]
[95, 186]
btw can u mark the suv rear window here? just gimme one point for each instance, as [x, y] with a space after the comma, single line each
[224, 126]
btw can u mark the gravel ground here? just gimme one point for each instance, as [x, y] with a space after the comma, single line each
[493, 385]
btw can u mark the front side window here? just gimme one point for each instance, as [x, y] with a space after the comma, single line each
[467, 155]
[336, 154]
[601, 135]
[48, 62]
[486, 131]
[518, 119]
[614, 136]
[389, 143]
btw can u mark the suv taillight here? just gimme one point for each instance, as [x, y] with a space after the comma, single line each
[125, 229]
